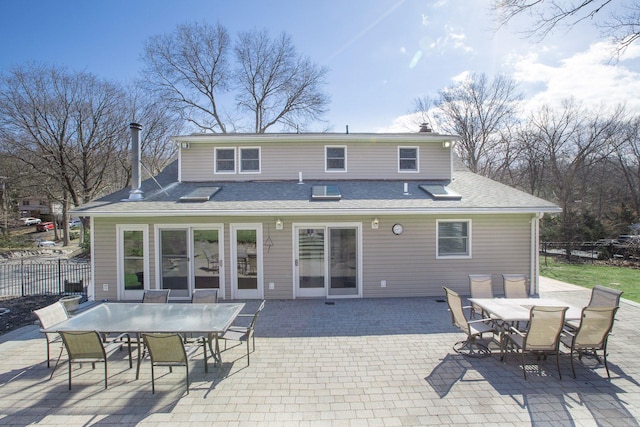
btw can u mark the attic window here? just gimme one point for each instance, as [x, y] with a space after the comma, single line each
[325, 192]
[200, 195]
[440, 192]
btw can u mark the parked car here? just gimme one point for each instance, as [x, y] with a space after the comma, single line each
[30, 220]
[45, 243]
[45, 226]
[75, 222]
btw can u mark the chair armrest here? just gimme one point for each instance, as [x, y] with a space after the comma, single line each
[515, 330]
[245, 315]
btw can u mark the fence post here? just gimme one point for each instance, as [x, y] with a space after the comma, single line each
[22, 274]
[59, 276]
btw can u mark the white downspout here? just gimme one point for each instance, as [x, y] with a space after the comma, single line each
[534, 274]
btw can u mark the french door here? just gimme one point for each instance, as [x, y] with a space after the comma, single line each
[190, 258]
[327, 260]
[246, 261]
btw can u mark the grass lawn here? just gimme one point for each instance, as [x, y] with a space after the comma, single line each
[588, 275]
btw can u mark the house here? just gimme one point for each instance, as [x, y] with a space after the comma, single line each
[281, 216]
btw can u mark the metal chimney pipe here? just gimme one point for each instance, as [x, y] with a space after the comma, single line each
[136, 193]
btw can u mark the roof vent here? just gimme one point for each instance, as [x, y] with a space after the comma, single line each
[425, 127]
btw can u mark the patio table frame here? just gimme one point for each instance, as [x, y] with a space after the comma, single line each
[210, 320]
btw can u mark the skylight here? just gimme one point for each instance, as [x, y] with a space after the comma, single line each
[325, 192]
[200, 195]
[440, 192]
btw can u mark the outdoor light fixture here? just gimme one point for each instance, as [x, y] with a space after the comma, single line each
[185, 145]
[446, 144]
[375, 223]
[279, 224]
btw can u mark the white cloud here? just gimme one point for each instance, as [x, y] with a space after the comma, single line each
[590, 77]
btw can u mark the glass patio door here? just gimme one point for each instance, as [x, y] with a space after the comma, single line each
[208, 263]
[310, 262]
[174, 262]
[326, 261]
[246, 261]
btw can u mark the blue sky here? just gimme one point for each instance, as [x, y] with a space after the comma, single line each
[381, 55]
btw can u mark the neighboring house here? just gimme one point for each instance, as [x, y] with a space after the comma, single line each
[37, 207]
[312, 215]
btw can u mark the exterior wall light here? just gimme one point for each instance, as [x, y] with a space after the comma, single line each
[446, 144]
[375, 223]
[185, 145]
[279, 224]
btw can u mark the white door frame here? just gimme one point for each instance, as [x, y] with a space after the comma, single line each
[189, 228]
[327, 226]
[121, 293]
[233, 261]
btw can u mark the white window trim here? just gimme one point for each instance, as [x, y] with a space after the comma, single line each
[215, 161]
[240, 160]
[326, 169]
[417, 169]
[469, 240]
[120, 228]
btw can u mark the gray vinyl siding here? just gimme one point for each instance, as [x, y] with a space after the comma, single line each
[500, 244]
[408, 263]
[283, 161]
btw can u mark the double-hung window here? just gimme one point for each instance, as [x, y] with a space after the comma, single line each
[408, 159]
[250, 160]
[454, 238]
[335, 158]
[225, 160]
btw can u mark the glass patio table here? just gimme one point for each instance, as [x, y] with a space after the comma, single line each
[211, 320]
[507, 311]
[513, 310]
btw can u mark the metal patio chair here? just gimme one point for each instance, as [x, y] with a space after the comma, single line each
[49, 316]
[542, 335]
[480, 286]
[88, 347]
[600, 297]
[157, 296]
[474, 329]
[244, 333]
[169, 350]
[204, 296]
[592, 334]
[515, 286]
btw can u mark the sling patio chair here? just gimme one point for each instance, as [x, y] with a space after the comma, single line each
[600, 297]
[87, 346]
[474, 329]
[244, 333]
[204, 296]
[480, 286]
[49, 316]
[169, 350]
[158, 296]
[515, 286]
[542, 335]
[592, 334]
[201, 296]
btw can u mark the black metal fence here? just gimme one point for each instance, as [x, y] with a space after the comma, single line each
[602, 249]
[54, 277]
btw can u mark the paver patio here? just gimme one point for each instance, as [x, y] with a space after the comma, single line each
[370, 362]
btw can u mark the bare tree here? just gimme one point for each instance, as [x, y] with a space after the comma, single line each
[480, 111]
[64, 129]
[622, 24]
[190, 69]
[574, 141]
[627, 154]
[276, 84]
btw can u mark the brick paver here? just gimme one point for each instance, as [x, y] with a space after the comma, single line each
[371, 362]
